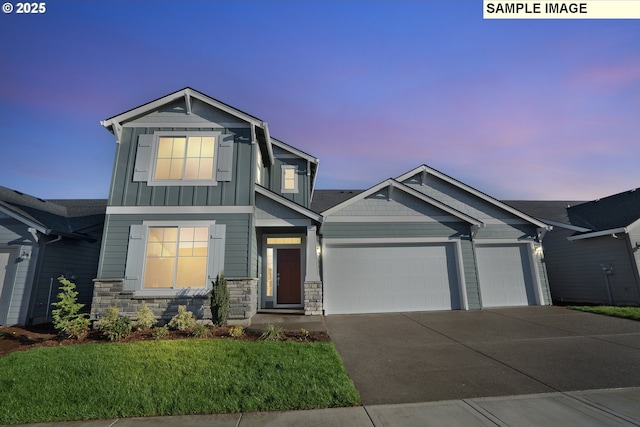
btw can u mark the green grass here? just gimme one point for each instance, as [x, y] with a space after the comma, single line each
[195, 376]
[632, 313]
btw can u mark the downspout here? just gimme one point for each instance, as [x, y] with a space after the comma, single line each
[46, 316]
[634, 263]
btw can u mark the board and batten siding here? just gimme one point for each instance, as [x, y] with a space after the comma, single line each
[575, 268]
[126, 192]
[273, 179]
[116, 241]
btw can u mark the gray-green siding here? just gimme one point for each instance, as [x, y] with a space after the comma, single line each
[393, 229]
[15, 294]
[575, 268]
[126, 192]
[273, 179]
[237, 248]
[77, 260]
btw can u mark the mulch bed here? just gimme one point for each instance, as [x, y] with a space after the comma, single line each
[14, 338]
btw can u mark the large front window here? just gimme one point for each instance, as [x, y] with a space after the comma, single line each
[185, 158]
[176, 257]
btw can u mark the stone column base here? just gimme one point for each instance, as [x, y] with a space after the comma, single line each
[312, 298]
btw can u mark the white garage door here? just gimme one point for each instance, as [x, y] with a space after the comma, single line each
[505, 275]
[390, 278]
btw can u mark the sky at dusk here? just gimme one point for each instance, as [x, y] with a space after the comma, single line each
[519, 109]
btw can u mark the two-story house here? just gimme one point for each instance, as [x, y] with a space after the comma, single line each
[201, 188]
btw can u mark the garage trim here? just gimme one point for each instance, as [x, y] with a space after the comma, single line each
[462, 287]
[535, 275]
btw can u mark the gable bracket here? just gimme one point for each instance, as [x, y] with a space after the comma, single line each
[474, 230]
[117, 131]
[187, 101]
[390, 192]
[423, 178]
[540, 232]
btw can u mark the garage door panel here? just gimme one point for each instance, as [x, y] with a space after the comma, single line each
[365, 279]
[505, 276]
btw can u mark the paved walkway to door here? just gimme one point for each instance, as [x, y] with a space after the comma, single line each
[433, 356]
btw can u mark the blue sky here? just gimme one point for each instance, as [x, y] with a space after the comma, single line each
[533, 109]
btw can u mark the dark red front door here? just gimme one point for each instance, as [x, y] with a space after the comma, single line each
[289, 276]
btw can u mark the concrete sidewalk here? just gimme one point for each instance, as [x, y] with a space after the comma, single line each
[615, 407]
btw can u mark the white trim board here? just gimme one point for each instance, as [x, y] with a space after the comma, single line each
[171, 210]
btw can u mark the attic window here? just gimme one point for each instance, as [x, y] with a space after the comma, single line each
[289, 179]
[185, 158]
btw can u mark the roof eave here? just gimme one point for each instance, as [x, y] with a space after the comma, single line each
[288, 203]
[187, 93]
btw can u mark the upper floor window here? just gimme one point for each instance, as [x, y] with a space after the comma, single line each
[185, 158]
[289, 179]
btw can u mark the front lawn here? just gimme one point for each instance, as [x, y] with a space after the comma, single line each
[195, 376]
[632, 313]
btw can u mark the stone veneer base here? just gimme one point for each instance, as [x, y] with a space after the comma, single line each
[243, 301]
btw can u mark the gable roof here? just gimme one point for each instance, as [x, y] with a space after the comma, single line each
[114, 124]
[53, 217]
[392, 183]
[288, 203]
[430, 171]
[313, 162]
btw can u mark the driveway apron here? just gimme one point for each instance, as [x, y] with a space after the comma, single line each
[431, 356]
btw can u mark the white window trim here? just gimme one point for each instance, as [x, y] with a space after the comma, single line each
[141, 291]
[151, 181]
[295, 182]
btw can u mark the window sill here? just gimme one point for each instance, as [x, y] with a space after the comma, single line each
[172, 293]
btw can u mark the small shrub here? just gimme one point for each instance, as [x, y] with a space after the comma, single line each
[200, 330]
[303, 335]
[220, 301]
[236, 331]
[183, 320]
[272, 333]
[67, 318]
[145, 318]
[113, 326]
[160, 332]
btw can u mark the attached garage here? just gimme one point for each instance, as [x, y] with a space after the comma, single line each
[390, 277]
[505, 275]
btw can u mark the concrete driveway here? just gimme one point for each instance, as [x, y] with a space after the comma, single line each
[431, 356]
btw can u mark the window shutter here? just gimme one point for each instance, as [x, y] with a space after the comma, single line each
[135, 257]
[143, 158]
[225, 157]
[216, 250]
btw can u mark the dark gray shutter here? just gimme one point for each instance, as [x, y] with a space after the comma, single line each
[143, 158]
[216, 250]
[225, 157]
[135, 257]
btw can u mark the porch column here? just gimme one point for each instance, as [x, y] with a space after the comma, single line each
[312, 272]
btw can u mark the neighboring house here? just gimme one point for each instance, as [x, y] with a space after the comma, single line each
[39, 241]
[200, 188]
[593, 252]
